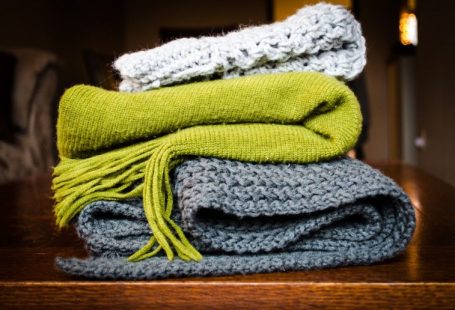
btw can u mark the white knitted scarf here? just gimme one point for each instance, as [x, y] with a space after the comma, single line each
[323, 37]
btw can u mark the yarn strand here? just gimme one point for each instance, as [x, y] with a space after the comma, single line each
[158, 207]
[108, 176]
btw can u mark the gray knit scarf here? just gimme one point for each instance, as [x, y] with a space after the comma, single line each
[323, 38]
[254, 218]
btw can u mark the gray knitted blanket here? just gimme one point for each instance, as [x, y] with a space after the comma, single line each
[323, 38]
[254, 218]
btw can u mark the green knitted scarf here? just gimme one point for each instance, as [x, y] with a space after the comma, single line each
[116, 146]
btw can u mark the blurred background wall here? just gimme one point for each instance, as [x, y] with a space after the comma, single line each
[143, 19]
[65, 28]
[435, 73]
[87, 34]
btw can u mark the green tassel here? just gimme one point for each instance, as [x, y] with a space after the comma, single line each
[111, 176]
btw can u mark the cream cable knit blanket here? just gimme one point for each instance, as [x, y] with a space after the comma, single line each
[324, 38]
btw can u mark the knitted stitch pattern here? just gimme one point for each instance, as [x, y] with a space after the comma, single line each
[288, 117]
[250, 218]
[324, 38]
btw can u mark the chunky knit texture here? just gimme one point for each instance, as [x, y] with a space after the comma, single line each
[290, 117]
[323, 38]
[250, 218]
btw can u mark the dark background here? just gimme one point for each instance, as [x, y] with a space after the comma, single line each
[86, 35]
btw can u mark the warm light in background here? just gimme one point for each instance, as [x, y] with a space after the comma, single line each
[284, 8]
[408, 28]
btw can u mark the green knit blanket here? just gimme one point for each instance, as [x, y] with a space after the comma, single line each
[115, 146]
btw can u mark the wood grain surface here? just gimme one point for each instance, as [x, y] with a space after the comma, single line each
[422, 277]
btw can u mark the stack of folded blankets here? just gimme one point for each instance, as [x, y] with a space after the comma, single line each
[225, 155]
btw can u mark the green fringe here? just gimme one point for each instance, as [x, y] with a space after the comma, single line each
[118, 175]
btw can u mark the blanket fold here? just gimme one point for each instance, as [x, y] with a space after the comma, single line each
[249, 218]
[116, 146]
[321, 38]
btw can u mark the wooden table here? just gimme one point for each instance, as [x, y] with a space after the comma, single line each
[422, 277]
